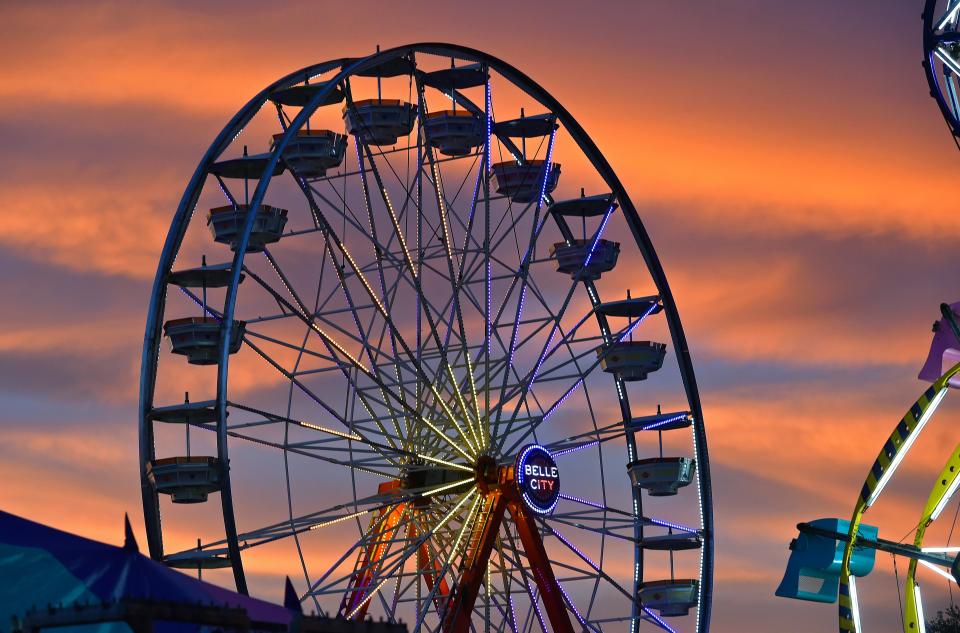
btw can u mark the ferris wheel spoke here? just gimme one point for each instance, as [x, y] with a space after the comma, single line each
[306, 523]
[605, 531]
[386, 295]
[371, 537]
[506, 579]
[553, 373]
[601, 356]
[522, 276]
[354, 362]
[250, 334]
[375, 573]
[565, 341]
[556, 319]
[300, 309]
[584, 575]
[580, 441]
[513, 557]
[449, 558]
[418, 282]
[312, 324]
[306, 390]
[358, 272]
[400, 556]
[468, 236]
[366, 465]
[317, 399]
[623, 520]
[455, 270]
[364, 540]
[516, 570]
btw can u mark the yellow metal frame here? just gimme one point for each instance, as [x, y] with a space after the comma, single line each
[949, 474]
[894, 450]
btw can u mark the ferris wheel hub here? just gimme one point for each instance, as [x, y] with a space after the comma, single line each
[487, 473]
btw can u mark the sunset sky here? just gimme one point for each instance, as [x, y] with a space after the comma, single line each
[795, 176]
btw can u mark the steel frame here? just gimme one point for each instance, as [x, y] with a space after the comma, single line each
[298, 309]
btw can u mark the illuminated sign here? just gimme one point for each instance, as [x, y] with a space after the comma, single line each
[538, 478]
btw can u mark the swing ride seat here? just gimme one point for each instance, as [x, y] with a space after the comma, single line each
[944, 352]
[813, 571]
[572, 256]
[226, 224]
[380, 121]
[198, 338]
[670, 597]
[310, 153]
[522, 182]
[662, 476]
[454, 132]
[632, 360]
[185, 479]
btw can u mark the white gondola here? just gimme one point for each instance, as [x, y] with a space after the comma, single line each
[660, 422]
[527, 126]
[300, 96]
[215, 276]
[310, 153]
[456, 78]
[198, 338]
[226, 223]
[380, 121]
[583, 255]
[669, 597]
[204, 412]
[584, 206]
[455, 132]
[524, 182]
[632, 360]
[662, 476]
[185, 479]
[246, 167]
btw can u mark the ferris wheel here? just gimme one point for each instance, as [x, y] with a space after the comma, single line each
[426, 376]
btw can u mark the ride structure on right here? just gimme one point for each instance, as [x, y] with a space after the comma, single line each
[941, 58]
[830, 554]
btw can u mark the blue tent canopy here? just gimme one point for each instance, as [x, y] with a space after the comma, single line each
[42, 566]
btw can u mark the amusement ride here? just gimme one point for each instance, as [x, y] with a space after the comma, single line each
[831, 554]
[424, 374]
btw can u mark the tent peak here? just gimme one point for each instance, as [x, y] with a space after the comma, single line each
[290, 599]
[129, 540]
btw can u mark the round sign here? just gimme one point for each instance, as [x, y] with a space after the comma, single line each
[538, 478]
